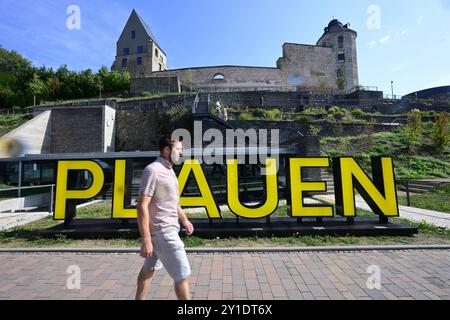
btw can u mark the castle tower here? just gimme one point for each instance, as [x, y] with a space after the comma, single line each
[342, 40]
[137, 50]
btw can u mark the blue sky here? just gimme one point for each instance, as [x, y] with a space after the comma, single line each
[411, 46]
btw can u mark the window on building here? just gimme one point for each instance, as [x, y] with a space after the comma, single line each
[341, 42]
[139, 60]
[161, 58]
[341, 57]
[160, 67]
[339, 73]
[140, 49]
[124, 63]
[133, 34]
[126, 51]
[156, 52]
[219, 76]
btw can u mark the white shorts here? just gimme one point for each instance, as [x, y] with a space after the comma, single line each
[169, 249]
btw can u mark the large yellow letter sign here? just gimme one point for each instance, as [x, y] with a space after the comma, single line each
[66, 195]
[297, 187]
[122, 188]
[206, 199]
[380, 194]
[271, 191]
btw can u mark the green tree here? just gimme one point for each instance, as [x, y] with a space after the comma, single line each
[37, 87]
[411, 134]
[15, 74]
[53, 87]
[117, 82]
[441, 131]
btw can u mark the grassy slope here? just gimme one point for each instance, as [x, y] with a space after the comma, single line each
[439, 200]
[11, 122]
[425, 162]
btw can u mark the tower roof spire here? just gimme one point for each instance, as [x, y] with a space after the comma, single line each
[135, 15]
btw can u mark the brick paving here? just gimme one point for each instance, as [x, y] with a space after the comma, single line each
[405, 274]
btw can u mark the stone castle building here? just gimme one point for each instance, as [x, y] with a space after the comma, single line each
[329, 64]
[137, 50]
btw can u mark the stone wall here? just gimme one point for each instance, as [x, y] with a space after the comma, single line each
[301, 67]
[366, 100]
[136, 131]
[77, 129]
[286, 101]
[165, 84]
[140, 130]
[202, 79]
[308, 66]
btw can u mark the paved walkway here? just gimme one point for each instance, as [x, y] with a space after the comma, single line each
[436, 218]
[404, 274]
[10, 220]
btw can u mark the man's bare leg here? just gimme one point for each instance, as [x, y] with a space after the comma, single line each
[182, 290]
[143, 283]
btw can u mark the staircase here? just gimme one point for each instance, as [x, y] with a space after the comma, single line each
[326, 177]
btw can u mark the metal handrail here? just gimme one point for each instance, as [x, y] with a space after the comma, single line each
[52, 191]
[29, 187]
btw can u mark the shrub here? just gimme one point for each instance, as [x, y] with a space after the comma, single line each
[358, 113]
[334, 110]
[301, 118]
[314, 130]
[315, 111]
[273, 114]
[411, 134]
[343, 111]
[246, 116]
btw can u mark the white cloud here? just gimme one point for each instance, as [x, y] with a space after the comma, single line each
[401, 33]
[371, 44]
[385, 39]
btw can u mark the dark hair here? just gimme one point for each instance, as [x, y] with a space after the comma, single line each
[165, 142]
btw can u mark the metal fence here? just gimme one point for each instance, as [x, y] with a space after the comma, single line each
[19, 192]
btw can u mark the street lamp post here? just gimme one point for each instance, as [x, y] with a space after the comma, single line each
[392, 89]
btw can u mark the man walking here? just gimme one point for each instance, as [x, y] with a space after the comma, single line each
[159, 213]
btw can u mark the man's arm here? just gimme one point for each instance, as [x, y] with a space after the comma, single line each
[144, 225]
[185, 221]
